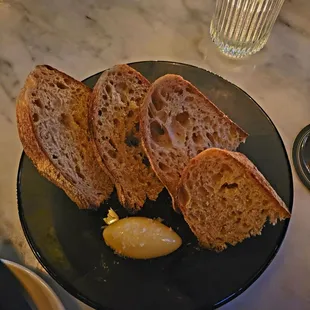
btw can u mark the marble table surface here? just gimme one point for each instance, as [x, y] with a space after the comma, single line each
[84, 37]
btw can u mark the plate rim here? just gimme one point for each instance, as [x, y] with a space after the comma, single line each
[77, 294]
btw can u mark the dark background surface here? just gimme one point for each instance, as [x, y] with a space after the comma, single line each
[68, 241]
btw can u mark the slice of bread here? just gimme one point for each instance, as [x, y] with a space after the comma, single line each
[178, 122]
[53, 128]
[114, 120]
[225, 199]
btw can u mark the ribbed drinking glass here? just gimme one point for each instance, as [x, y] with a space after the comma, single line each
[242, 27]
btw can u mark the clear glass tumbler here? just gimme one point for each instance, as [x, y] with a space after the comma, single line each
[242, 27]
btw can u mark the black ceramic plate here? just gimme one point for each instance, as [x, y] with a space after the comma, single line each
[68, 242]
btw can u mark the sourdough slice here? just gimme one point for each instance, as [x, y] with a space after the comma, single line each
[178, 122]
[53, 128]
[114, 120]
[225, 199]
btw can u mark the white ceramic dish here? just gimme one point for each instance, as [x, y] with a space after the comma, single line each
[42, 295]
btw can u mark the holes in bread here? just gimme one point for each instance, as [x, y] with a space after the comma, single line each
[130, 113]
[157, 101]
[61, 85]
[150, 112]
[229, 186]
[68, 82]
[189, 99]
[130, 91]
[163, 167]
[264, 211]
[64, 119]
[108, 90]
[122, 86]
[177, 131]
[146, 162]
[215, 136]
[99, 123]
[160, 135]
[197, 138]
[227, 168]
[54, 156]
[37, 102]
[207, 121]
[178, 91]
[183, 196]
[123, 96]
[116, 122]
[210, 137]
[163, 92]
[35, 117]
[112, 153]
[183, 118]
[139, 82]
[190, 90]
[104, 97]
[131, 140]
[202, 191]
[78, 172]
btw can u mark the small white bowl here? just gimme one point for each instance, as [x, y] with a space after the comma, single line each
[42, 295]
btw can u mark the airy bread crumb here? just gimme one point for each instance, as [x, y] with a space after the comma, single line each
[114, 119]
[225, 199]
[53, 128]
[177, 123]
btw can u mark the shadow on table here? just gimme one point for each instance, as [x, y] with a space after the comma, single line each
[8, 252]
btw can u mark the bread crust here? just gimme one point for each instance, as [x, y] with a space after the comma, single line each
[171, 179]
[38, 155]
[114, 109]
[185, 198]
